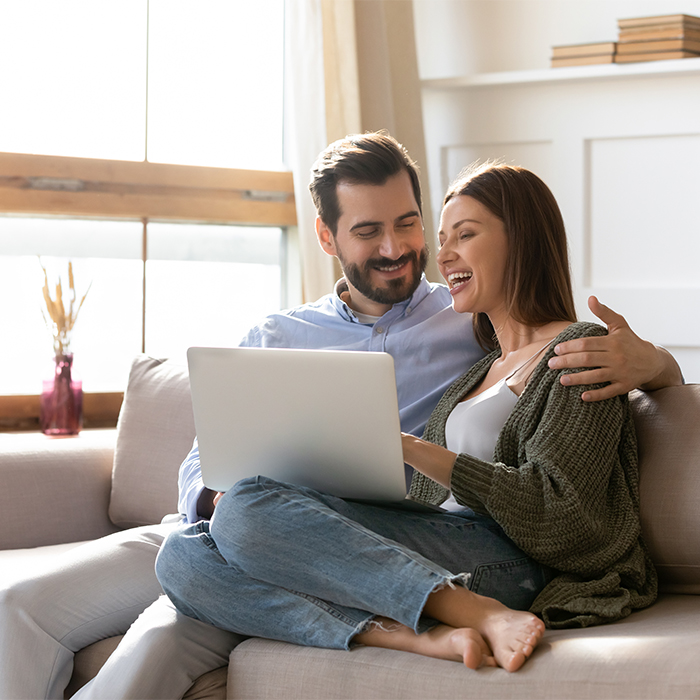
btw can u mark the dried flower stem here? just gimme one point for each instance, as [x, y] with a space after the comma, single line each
[61, 324]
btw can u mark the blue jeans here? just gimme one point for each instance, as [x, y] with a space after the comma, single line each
[288, 563]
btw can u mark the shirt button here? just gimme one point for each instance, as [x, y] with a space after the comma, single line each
[408, 310]
[379, 329]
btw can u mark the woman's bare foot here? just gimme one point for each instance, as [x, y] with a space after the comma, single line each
[476, 630]
[465, 645]
[512, 635]
[441, 642]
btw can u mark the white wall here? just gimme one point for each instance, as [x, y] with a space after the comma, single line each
[620, 150]
[462, 37]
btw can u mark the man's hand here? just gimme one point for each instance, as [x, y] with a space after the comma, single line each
[621, 358]
[207, 502]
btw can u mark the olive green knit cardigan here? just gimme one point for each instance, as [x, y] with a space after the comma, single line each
[564, 487]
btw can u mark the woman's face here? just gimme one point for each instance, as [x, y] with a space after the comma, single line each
[472, 256]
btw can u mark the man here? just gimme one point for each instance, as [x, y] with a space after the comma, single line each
[369, 216]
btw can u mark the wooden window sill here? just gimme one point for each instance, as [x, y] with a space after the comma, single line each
[100, 410]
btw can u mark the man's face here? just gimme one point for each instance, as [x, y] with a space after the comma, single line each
[379, 242]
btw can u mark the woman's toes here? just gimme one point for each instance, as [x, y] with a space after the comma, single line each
[489, 661]
[516, 660]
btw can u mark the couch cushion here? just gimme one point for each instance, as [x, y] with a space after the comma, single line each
[155, 432]
[651, 654]
[668, 432]
[55, 489]
[88, 661]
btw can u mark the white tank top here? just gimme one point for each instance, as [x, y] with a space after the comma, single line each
[474, 425]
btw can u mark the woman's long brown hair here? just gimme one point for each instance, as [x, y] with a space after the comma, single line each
[537, 277]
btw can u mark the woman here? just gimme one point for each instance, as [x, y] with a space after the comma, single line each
[540, 487]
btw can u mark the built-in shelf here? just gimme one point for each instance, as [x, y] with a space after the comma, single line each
[608, 71]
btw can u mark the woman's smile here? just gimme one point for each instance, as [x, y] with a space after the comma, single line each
[458, 280]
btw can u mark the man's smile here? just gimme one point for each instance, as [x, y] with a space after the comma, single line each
[392, 268]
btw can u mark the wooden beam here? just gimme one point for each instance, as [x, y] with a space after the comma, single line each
[202, 206]
[127, 190]
[144, 173]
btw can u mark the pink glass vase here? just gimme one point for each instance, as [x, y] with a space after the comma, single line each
[62, 400]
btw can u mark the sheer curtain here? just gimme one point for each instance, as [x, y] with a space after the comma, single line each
[305, 132]
[351, 66]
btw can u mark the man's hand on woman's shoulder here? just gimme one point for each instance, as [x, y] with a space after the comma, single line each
[620, 358]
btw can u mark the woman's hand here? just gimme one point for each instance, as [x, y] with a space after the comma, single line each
[432, 460]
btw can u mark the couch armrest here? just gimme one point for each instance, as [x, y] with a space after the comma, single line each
[55, 490]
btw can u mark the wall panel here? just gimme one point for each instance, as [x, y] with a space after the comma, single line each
[642, 190]
[619, 146]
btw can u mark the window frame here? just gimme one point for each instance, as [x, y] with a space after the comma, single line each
[137, 191]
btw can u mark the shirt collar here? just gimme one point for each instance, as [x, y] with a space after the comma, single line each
[400, 308]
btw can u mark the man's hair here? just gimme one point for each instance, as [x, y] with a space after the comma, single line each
[358, 159]
[537, 277]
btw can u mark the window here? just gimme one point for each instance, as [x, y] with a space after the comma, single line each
[215, 83]
[207, 285]
[108, 331]
[145, 145]
[84, 78]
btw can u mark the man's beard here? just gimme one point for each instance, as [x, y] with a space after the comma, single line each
[398, 289]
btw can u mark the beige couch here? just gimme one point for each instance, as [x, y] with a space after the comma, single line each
[116, 479]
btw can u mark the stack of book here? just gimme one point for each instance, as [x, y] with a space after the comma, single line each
[639, 39]
[658, 38]
[583, 54]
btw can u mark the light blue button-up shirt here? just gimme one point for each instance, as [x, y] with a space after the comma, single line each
[431, 345]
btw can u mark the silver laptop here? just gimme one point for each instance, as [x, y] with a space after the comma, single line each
[326, 419]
